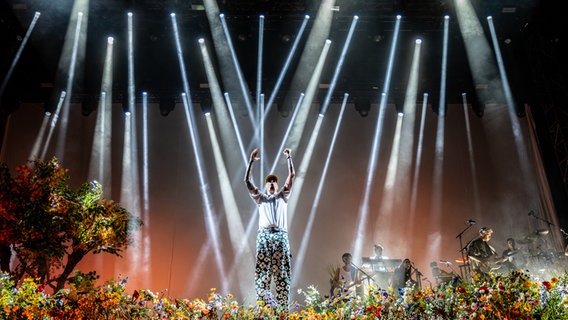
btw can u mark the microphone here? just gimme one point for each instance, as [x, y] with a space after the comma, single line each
[470, 221]
[444, 261]
[531, 213]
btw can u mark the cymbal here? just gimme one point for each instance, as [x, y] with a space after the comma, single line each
[531, 237]
[542, 232]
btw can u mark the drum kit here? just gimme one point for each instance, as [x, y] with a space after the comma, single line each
[533, 236]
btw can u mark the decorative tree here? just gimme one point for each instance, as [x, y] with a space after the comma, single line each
[51, 228]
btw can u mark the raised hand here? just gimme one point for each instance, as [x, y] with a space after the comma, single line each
[254, 154]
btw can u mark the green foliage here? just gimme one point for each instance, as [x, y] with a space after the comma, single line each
[51, 227]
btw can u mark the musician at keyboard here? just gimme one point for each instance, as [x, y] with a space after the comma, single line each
[380, 267]
[378, 260]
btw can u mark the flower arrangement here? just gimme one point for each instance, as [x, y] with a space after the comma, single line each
[517, 295]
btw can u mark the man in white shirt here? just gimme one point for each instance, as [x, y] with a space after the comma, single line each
[273, 259]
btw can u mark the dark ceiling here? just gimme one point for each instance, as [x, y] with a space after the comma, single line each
[156, 64]
[532, 37]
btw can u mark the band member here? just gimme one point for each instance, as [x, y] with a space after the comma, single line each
[403, 275]
[441, 276]
[481, 254]
[513, 258]
[346, 277]
[378, 249]
[272, 245]
[379, 259]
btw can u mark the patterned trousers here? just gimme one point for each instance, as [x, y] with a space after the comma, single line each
[273, 261]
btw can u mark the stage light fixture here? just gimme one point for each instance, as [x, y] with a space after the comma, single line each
[125, 107]
[362, 105]
[471, 99]
[206, 105]
[283, 110]
[167, 104]
[88, 105]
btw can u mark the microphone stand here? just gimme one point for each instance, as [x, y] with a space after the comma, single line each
[418, 277]
[463, 254]
[541, 219]
[549, 223]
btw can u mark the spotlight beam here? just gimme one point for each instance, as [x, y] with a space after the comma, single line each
[478, 51]
[130, 198]
[407, 138]
[418, 163]
[242, 82]
[300, 122]
[54, 117]
[235, 127]
[259, 66]
[339, 65]
[145, 156]
[197, 151]
[312, 215]
[100, 168]
[286, 64]
[39, 138]
[301, 172]
[236, 229]
[444, 68]
[519, 140]
[375, 149]
[210, 217]
[261, 137]
[19, 53]
[281, 76]
[223, 109]
[287, 133]
[140, 253]
[436, 208]
[78, 42]
[471, 153]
